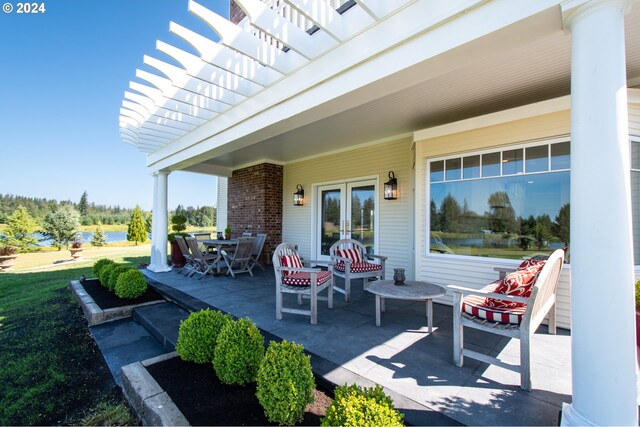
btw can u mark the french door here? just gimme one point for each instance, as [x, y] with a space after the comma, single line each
[346, 211]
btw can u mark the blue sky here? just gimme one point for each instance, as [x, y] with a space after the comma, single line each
[63, 74]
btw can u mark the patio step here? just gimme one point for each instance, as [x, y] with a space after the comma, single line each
[162, 321]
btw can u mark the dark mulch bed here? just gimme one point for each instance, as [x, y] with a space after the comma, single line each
[204, 400]
[106, 299]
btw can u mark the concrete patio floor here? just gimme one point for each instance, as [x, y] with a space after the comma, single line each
[400, 354]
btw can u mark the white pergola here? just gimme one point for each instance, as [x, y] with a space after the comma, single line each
[292, 65]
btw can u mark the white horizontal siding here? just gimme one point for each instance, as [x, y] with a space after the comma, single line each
[394, 217]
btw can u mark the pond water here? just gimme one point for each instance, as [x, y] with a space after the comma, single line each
[110, 237]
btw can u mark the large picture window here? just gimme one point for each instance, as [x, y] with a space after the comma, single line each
[511, 203]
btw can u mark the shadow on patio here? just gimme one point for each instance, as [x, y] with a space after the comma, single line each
[416, 367]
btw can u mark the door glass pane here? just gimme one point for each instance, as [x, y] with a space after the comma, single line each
[330, 221]
[362, 216]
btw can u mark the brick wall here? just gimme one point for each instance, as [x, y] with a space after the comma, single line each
[235, 12]
[255, 204]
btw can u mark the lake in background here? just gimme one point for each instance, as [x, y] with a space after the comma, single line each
[109, 236]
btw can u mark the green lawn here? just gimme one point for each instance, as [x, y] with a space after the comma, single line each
[51, 371]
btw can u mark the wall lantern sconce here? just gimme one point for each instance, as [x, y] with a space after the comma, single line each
[298, 196]
[391, 187]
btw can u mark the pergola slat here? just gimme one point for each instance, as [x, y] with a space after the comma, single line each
[226, 58]
[279, 28]
[236, 38]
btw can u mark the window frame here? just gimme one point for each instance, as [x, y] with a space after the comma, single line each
[462, 155]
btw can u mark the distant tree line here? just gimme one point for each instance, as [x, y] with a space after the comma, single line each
[201, 216]
[38, 208]
[93, 214]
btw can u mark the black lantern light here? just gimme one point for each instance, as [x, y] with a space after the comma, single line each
[298, 196]
[391, 187]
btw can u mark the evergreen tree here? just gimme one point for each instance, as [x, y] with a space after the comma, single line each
[83, 205]
[148, 222]
[137, 231]
[20, 226]
[61, 226]
[98, 238]
[561, 224]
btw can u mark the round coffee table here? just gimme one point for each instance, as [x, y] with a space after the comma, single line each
[411, 290]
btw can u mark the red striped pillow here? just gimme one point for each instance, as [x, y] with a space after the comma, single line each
[353, 254]
[291, 261]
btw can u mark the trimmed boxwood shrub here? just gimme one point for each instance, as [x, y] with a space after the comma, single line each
[239, 351]
[353, 405]
[100, 264]
[115, 272]
[198, 334]
[131, 284]
[285, 383]
[105, 272]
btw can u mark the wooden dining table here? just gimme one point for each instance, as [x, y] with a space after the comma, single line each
[218, 244]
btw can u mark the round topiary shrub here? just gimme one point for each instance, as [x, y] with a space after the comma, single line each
[239, 351]
[105, 272]
[638, 295]
[285, 383]
[100, 264]
[353, 405]
[115, 272]
[131, 284]
[198, 334]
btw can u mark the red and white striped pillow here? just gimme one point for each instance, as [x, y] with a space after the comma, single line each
[518, 283]
[291, 261]
[353, 254]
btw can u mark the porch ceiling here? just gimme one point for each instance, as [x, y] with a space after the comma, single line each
[379, 70]
[535, 71]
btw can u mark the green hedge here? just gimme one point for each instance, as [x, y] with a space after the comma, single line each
[198, 334]
[105, 272]
[131, 284]
[239, 352]
[353, 405]
[100, 264]
[285, 383]
[115, 273]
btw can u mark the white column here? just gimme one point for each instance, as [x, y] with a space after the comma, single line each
[602, 295]
[221, 205]
[160, 225]
[153, 220]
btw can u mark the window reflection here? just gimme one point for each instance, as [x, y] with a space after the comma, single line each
[512, 162]
[512, 216]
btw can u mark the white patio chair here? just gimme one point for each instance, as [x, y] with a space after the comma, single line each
[189, 265]
[201, 260]
[257, 251]
[350, 262]
[238, 260]
[293, 278]
[516, 322]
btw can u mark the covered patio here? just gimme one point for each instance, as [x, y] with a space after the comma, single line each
[333, 97]
[415, 367]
